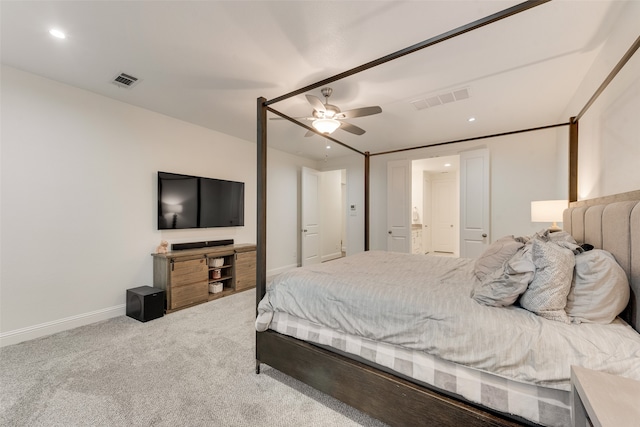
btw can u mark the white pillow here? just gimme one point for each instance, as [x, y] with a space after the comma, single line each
[547, 293]
[600, 288]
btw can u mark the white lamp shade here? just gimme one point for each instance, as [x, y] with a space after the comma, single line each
[326, 125]
[548, 210]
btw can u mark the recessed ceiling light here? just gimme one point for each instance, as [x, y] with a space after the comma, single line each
[57, 33]
[447, 165]
[471, 119]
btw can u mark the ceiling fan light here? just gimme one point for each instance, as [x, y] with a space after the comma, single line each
[326, 125]
[57, 33]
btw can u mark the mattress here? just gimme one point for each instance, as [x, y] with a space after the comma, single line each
[537, 404]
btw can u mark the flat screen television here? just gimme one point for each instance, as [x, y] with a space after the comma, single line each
[186, 201]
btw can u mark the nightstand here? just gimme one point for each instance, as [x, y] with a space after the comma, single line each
[601, 399]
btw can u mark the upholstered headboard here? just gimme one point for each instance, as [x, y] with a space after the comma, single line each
[614, 227]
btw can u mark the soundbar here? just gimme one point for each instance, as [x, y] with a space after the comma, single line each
[198, 245]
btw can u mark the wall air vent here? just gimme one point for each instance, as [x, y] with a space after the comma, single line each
[125, 80]
[434, 100]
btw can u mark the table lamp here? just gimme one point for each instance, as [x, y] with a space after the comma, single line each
[548, 211]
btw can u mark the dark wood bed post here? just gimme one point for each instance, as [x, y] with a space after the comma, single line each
[573, 125]
[367, 157]
[573, 159]
[261, 237]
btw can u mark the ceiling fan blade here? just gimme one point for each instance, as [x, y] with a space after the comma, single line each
[351, 128]
[315, 103]
[297, 118]
[360, 112]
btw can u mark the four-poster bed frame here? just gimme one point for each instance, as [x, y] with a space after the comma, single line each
[384, 396]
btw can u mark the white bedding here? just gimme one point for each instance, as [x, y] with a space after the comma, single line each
[423, 303]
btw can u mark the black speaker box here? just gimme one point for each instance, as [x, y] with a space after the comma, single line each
[145, 303]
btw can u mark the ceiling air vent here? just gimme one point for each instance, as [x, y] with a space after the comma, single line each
[420, 104]
[125, 80]
[461, 94]
[440, 99]
[446, 97]
[434, 101]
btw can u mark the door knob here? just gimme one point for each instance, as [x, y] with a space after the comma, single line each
[484, 234]
[389, 231]
[304, 230]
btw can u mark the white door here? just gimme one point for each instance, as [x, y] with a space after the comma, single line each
[310, 212]
[426, 213]
[399, 206]
[474, 203]
[444, 215]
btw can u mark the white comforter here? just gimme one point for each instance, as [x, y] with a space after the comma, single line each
[423, 302]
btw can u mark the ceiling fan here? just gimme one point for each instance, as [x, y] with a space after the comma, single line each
[327, 117]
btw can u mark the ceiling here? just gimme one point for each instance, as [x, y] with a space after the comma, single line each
[206, 62]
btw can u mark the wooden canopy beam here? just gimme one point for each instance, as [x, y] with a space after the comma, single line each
[573, 160]
[418, 46]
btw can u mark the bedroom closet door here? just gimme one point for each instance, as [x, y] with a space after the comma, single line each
[310, 213]
[399, 206]
[475, 220]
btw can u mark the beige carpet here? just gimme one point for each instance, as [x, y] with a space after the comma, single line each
[195, 367]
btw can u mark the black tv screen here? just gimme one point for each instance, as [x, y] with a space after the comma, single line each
[186, 201]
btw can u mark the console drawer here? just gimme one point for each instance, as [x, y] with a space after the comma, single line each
[189, 294]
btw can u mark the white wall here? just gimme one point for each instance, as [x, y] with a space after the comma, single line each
[284, 172]
[523, 168]
[354, 171]
[609, 133]
[79, 199]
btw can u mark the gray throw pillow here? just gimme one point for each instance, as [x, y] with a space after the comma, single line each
[503, 287]
[547, 293]
[494, 257]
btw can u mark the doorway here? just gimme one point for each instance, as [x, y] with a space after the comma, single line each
[436, 207]
[323, 215]
[472, 228]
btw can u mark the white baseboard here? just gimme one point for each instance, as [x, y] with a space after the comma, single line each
[48, 328]
[329, 257]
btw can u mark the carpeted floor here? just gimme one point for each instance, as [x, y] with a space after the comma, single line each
[194, 367]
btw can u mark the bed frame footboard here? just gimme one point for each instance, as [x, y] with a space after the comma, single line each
[385, 397]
